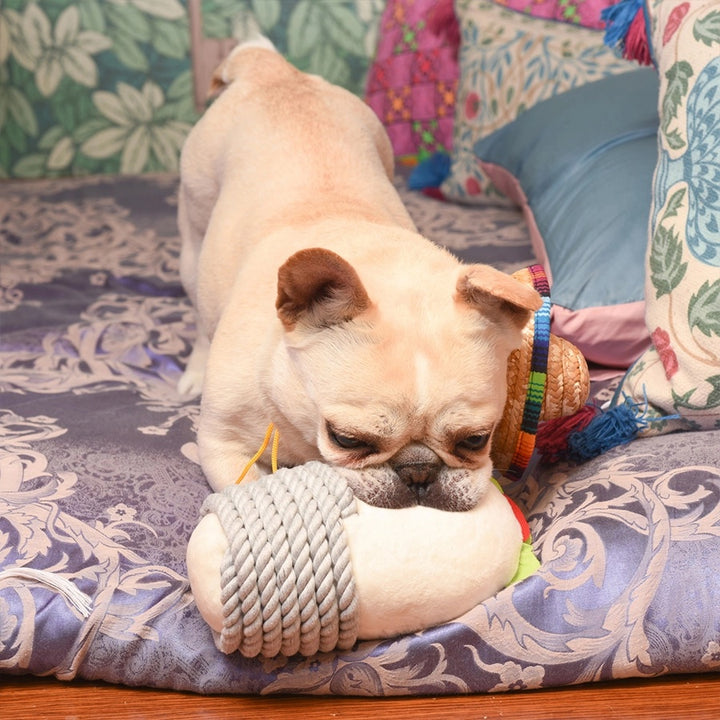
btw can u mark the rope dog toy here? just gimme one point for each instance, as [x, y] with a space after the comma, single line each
[294, 563]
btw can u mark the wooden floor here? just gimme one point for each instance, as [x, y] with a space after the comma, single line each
[683, 697]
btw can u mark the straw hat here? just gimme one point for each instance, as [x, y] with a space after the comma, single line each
[547, 378]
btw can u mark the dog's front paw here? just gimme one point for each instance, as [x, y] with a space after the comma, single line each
[190, 384]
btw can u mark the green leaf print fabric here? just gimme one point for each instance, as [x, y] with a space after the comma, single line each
[106, 86]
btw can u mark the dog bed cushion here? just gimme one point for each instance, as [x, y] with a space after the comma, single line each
[100, 488]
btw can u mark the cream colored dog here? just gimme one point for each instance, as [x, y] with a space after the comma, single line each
[320, 307]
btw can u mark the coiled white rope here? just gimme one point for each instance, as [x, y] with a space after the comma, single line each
[286, 578]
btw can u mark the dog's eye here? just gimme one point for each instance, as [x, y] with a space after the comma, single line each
[346, 442]
[473, 443]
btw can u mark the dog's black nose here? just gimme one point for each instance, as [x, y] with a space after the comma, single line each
[417, 466]
[417, 474]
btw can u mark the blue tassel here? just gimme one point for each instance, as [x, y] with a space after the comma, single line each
[430, 173]
[618, 19]
[616, 426]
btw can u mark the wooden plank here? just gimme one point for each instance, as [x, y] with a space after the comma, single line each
[684, 696]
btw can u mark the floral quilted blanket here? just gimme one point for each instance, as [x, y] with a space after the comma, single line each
[100, 488]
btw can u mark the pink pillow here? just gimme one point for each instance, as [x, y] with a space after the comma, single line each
[413, 79]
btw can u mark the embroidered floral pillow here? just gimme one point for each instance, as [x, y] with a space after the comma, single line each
[680, 374]
[509, 61]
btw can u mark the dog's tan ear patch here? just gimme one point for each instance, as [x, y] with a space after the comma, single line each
[319, 288]
[496, 293]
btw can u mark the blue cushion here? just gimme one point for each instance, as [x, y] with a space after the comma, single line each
[581, 164]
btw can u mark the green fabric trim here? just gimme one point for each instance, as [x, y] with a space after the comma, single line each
[527, 564]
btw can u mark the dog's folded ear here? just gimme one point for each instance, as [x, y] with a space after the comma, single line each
[318, 288]
[497, 295]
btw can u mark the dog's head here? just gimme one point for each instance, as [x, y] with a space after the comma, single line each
[404, 380]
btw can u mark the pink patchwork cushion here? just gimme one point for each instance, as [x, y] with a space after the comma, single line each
[412, 81]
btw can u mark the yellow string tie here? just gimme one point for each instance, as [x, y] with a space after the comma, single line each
[270, 432]
[274, 451]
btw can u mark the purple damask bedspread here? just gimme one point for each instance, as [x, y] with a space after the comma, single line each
[100, 489]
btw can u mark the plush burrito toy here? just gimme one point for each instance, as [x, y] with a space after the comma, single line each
[294, 563]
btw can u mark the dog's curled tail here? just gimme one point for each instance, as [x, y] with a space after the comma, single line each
[249, 35]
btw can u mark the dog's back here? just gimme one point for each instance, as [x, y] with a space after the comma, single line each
[321, 308]
[271, 117]
[277, 148]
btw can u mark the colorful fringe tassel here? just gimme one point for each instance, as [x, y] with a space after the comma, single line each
[552, 435]
[616, 426]
[626, 30]
[590, 432]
